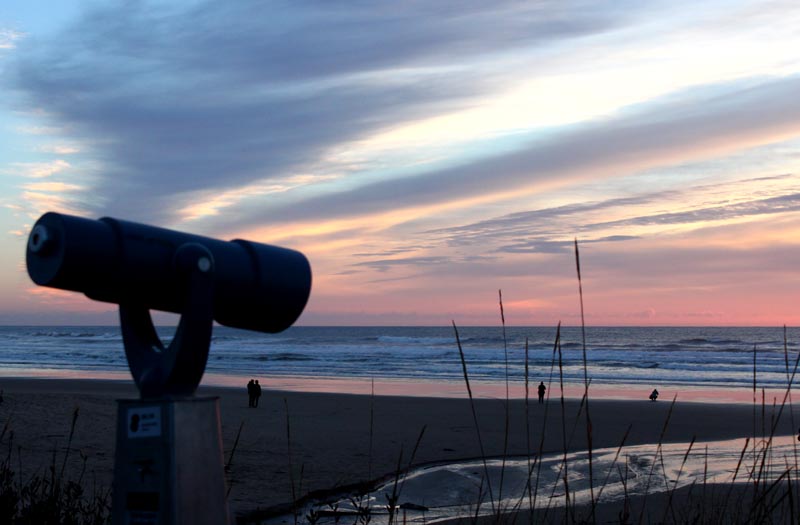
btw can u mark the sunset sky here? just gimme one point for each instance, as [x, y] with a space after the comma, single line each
[424, 154]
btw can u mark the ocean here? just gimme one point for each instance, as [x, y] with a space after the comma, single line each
[663, 356]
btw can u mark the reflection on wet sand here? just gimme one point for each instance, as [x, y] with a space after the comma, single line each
[452, 490]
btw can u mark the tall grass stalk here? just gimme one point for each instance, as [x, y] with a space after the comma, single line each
[528, 430]
[507, 408]
[556, 346]
[536, 464]
[791, 495]
[574, 432]
[563, 423]
[289, 458]
[585, 378]
[763, 414]
[755, 453]
[391, 500]
[478, 505]
[788, 384]
[563, 465]
[671, 490]
[774, 425]
[371, 427]
[758, 505]
[655, 458]
[475, 421]
[611, 468]
[397, 491]
[705, 479]
[69, 440]
[228, 464]
[625, 514]
[233, 450]
[733, 480]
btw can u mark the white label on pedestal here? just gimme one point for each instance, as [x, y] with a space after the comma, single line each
[144, 422]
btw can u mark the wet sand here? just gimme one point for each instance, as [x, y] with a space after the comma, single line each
[330, 433]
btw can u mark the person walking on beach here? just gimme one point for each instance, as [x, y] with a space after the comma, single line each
[251, 393]
[654, 395]
[256, 393]
[542, 389]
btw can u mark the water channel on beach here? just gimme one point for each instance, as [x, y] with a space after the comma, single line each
[444, 491]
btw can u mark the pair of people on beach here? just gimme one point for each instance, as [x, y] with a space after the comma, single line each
[253, 392]
[653, 397]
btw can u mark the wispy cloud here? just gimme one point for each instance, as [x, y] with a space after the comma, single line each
[545, 246]
[550, 230]
[59, 149]
[667, 134]
[8, 38]
[40, 170]
[782, 204]
[430, 148]
[175, 100]
[46, 193]
[382, 265]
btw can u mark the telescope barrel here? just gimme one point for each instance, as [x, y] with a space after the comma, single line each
[256, 286]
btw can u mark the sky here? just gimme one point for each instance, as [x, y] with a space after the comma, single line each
[423, 155]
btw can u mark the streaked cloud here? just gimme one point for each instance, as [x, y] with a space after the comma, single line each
[59, 149]
[40, 170]
[382, 265]
[545, 246]
[51, 187]
[159, 96]
[669, 134]
[8, 38]
[424, 153]
[698, 205]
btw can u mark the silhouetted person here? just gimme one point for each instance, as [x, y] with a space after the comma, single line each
[256, 393]
[654, 395]
[251, 393]
[542, 389]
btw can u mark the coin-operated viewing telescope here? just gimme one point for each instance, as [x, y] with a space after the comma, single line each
[167, 467]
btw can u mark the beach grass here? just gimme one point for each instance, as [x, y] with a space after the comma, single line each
[750, 497]
[50, 497]
[758, 500]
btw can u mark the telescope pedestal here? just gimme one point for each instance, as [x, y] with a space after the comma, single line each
[168, 465]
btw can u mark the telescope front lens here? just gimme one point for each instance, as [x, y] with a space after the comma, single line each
[40, 236]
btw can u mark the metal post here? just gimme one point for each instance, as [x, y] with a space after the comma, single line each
[168, 463]
[168, 466]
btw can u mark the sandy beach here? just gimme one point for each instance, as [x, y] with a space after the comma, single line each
[330, 432]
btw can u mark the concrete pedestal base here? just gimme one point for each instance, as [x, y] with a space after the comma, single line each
[168, 466]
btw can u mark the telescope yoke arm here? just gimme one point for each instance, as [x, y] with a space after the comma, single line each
[174, 371]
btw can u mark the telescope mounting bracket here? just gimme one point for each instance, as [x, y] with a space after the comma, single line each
[175, 370]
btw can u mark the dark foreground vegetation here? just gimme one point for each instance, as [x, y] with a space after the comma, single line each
[51, 497]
